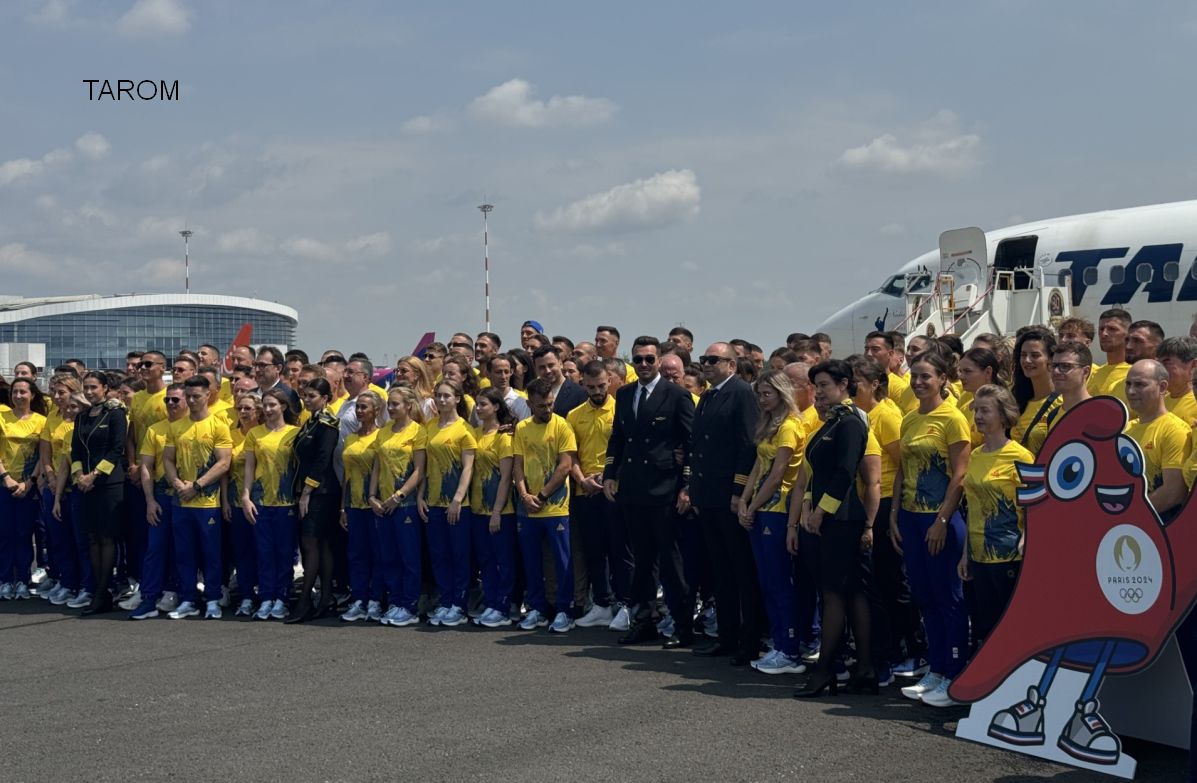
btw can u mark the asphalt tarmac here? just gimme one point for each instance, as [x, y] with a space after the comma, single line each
[100, 699]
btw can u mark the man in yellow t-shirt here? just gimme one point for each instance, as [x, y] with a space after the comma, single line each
[1108, 378]
[879, 346]
[1162, 436]
[598, 521]
[544, 449]
[1179, 357]
[199, 450]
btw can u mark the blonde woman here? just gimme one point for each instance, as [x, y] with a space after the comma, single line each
[357, 459]
[780, 441]
[412, 371]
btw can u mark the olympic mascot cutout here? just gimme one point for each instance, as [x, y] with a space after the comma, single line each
[1103, 586]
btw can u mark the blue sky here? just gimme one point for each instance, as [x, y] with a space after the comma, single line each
[743, 169]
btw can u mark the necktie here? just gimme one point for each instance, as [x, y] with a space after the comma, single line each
[641, 396]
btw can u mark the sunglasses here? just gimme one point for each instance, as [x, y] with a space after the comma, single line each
[174, 400]
[713, 360]
[644, 359]
[148, 364]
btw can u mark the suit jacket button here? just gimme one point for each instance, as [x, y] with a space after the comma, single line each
[646, 462]
[646, 440]
[629, 440]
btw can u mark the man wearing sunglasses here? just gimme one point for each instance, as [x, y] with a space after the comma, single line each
[652, 419]
[720, 458]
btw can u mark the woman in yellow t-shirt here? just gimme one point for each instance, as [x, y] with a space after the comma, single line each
[493, 517]
[926, 526]
[249, 414]
[394, 481]
[63, 564]
[366, 584]
[995, 522]
[447, 448]
[780, 441]
[977, 367]
[1032, 387]
[79, 578]
[268, 501]
[20, 436]
[457, 368]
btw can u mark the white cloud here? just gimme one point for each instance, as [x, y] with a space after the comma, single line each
[25, 168]
[16, 258]
[892, 229]
[376, 244]
[154, 18]
[161, 271]
[163, 228]
[512, 104]
[586, 250]
[426, 123]
[245, 241]
[155, 164]
[52, 12]
[93, 145]
[660, 200]
[90, 211]
[937, 146]
[311, 249]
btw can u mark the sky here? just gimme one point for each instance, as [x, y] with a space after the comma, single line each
[741, 169]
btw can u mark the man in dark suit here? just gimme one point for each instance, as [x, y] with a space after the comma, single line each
[567, 395]
[720, 458]
[652, 421]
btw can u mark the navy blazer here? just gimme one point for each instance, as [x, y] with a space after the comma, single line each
[640, 452]
[722, 446]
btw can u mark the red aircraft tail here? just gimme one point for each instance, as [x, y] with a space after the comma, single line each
[244, 336]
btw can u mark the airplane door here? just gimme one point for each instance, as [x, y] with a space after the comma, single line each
[1017, 255]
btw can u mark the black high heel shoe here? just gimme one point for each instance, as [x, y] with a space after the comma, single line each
[863, 682]
[100, 604]
[327, 609]
[299, 613]
[819, 680]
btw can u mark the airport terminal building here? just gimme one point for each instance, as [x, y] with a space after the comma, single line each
[100, 330]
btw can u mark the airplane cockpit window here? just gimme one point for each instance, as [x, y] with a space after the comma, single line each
[897, 285]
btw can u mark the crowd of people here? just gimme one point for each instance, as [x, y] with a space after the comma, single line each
[853, 516]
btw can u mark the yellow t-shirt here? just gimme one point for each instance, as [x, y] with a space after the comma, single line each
[226, 391]
[592, 430]
[152, 445]
[790, 434]
[898, 386]
[146, 409]
[59, 439]
[195, 444]
[885, 424]
[19, 439]
[225, 411]
[995, 522]
[443, 448]
[1184, 406]
[274, 464]
[1165, 443]
[629, 374]
[540, 446]
[965, 403]
[393, 450]
[811, 420]
[925, 469]
[492, 449]
[358, 460]
[53, 420]
[1034, 441]
[1110, 380]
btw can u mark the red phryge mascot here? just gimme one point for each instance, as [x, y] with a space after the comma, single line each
[1100, 589]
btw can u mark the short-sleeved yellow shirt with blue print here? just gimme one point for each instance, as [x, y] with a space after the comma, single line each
[541, 446]
[147, 408]
[925, 469]
[1165, 443]
[1034, 441]
[195, 444]
[237, 466]
[791, 434]
[19, 439]
[443, 448]
[492, 448]
[152, 445]
[274, 464]
[995, 522]
[393, 450]
[358, 460]
[59, 438]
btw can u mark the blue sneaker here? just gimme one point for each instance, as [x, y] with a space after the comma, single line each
[780, 663]
[911, 667]
[885, 676]
[146, 611]
[666, 627]
[533, 620]
[809, 651]
[765, 659]
[493, 618]
[562, 623]
[436, 617]
[454, 617]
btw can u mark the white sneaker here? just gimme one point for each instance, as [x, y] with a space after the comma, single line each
[81, 601]
[263, 612]
[622, 621]
[168, 602]
[132, 602]
[597, 616]
[246, 608]
[373, 612]
[213, 612]
[185, 609]
[38, 576]
[929, 682]
[939, 696]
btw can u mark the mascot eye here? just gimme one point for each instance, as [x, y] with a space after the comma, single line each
[1070, 471]
[1129, 456]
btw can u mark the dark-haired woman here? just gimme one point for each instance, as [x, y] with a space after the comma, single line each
[318, 491]
[833, 510]
[522, 372]
[97, 454]
[1032, 388]
[978, 367]
[20, 433]
[926, 525]
[493, 517]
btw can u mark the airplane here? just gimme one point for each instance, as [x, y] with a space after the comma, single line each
[1142, 259]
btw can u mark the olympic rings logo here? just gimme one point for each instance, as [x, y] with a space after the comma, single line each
[1131, 594]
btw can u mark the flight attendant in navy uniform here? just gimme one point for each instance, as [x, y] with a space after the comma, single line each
[652, 420]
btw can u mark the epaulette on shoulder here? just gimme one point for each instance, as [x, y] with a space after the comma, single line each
[326, 418]
[113, 404]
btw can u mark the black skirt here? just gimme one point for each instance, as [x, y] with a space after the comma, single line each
[102, 511]
[324, 515]
[842, 564]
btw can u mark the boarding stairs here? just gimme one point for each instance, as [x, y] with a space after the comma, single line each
[1002, 308]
